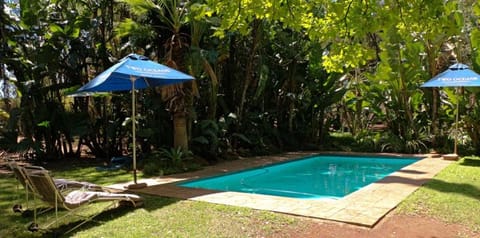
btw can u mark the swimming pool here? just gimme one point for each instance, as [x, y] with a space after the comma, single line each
[314, 177]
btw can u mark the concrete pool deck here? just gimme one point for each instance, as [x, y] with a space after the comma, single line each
[364, 207]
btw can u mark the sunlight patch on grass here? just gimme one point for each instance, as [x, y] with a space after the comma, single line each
[165, 217]
[453, 195]
[90, 174]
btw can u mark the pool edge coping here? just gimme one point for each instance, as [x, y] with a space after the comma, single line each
[365, 207]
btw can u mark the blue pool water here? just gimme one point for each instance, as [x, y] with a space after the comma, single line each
[322, 176]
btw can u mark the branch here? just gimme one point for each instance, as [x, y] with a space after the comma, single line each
[290, 9]
[238, 15]
[345, 18]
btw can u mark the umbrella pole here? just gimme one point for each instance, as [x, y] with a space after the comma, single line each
[134, 138]
[135, 185]
[134, 142]
[454, 156]
[455, 150]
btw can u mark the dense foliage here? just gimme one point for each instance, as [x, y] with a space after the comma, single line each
[271, 75]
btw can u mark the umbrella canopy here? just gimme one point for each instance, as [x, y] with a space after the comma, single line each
[145, 72]
[457, 75]
[131, 73]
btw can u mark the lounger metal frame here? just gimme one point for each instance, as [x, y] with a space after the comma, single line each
[45, 188]
[64, 185]
[19, 173]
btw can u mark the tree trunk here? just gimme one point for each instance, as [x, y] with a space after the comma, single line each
[180, 138]
[177, 94]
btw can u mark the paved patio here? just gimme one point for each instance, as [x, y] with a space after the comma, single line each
[364, 207]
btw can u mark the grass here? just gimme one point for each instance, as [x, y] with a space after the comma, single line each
[452, 195]
[159, 217]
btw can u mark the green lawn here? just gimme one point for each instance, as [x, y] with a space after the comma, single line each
[453, 196]
[159, 217]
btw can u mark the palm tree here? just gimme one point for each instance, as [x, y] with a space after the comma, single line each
[168, 20]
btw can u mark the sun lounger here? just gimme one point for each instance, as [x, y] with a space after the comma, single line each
[47, 191]
[61, 184]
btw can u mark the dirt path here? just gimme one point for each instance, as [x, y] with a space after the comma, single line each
[393, 225]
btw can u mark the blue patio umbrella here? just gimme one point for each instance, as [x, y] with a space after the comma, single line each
[457, 75]
[131, 73]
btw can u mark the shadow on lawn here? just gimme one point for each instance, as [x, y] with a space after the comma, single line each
[459, 188]
[150, 203]
[18, 223]
[470, 162]
[10, 195]
[438, 185]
